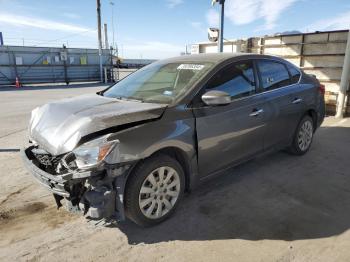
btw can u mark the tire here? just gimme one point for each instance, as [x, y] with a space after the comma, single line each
[160, 193]
[303, 136]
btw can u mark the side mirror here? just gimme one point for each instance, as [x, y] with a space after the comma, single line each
[216, 98]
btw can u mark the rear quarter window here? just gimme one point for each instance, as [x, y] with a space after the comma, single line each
[294, 72]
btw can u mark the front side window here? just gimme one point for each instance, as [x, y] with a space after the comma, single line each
[160, 82]
[236, 80]
[273, 74]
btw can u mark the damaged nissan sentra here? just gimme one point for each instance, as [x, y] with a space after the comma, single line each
[133, 149]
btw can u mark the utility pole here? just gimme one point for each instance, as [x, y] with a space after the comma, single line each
[99, 37]
[344, 82]
[221, 30]
[106, 36]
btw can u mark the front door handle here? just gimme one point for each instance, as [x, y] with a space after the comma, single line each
[297, 100]
[256, 112]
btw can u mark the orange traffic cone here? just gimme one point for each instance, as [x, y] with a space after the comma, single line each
[18, 84]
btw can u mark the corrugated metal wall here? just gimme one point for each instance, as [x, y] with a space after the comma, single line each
[320, 53]
[47, 65]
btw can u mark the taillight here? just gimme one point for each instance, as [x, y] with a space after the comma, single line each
[322, 89]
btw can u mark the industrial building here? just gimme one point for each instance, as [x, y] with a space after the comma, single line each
[31, 65]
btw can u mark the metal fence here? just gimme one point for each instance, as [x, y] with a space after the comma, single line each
[50, 65]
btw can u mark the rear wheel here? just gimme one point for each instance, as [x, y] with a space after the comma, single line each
[154, 190]
[303, 136]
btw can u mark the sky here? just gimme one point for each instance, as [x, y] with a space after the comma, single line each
[161, 28]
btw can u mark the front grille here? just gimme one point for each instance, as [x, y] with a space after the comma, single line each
[46, 161]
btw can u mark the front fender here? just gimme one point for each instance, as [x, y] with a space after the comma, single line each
[142, 141]
[175, 130]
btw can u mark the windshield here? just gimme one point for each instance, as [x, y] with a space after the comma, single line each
[159, 82]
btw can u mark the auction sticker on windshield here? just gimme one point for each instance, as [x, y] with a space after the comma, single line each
[190, 67]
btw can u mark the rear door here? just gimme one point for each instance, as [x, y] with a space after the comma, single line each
[283, 96]
[233, 132]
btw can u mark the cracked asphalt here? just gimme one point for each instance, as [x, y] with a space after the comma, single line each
[274, 208]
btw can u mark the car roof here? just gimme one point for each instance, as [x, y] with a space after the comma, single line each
[216, 57]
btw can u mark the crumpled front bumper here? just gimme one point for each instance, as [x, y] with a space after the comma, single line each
[56, 184]
[102, 199]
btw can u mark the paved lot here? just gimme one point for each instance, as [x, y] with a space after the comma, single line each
[275, 208]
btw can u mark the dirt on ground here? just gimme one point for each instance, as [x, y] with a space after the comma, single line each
[275, 208]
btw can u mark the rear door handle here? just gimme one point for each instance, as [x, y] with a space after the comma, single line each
[297, 100]
[256, 112]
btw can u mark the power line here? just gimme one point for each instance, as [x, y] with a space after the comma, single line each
[67, 36]
[40, 41]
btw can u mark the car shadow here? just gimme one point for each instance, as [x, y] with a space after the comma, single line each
[277, 196]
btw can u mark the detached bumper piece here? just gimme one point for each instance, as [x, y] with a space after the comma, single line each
[95, 194]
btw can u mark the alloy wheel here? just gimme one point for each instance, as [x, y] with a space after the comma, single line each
[305, 135]
[159, 192]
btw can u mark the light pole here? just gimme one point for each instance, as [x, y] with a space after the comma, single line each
[114, 45]
[112, 7]
[221, 30]
[98, 2]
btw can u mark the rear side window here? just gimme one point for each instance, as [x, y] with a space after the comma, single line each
[294, 72]
[236, 79]
[273, 74]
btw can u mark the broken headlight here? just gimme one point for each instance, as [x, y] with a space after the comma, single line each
[92, 153]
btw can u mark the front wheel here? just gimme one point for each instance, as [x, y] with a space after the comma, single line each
[303, 136]
[154, 190]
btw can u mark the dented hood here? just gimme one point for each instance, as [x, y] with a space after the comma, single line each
[58, 127]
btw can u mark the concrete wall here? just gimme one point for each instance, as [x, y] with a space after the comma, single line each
[321, 54]
[120, 73]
